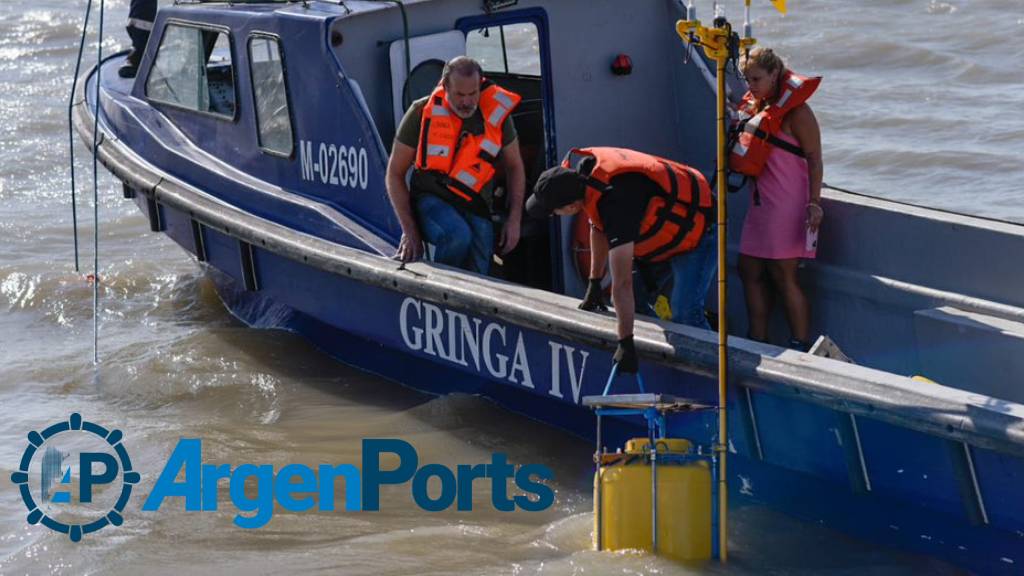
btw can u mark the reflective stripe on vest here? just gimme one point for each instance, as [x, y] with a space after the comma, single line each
[492, 148]
[750, 126]
[793, 82]
[140, 24]
[466, 178]
[438, 150]
[504, 100]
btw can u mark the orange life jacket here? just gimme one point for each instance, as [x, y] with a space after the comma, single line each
[674, 221]
[463, 163]
[756, 132]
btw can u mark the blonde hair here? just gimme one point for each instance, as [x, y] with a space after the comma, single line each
[763, 58]
[769, 61]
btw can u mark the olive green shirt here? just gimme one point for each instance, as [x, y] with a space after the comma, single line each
[409, 132]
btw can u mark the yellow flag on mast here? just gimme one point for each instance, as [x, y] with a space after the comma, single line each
[780, 5]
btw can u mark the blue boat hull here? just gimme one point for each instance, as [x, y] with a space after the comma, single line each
[800, 474]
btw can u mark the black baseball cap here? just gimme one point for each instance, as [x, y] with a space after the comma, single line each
[556, 187]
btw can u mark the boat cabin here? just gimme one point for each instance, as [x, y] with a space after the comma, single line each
[307, 96]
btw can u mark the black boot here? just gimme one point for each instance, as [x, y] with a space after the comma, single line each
[141, 14]
[131, 65]
[799, 345]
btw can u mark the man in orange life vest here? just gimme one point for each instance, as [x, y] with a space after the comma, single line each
[455, 139]
[639, 206]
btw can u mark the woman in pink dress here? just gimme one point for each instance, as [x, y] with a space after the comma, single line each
[784, 209]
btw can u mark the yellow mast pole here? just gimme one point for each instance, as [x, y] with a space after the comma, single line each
[720, 43]
[716, 44]
[723, 334]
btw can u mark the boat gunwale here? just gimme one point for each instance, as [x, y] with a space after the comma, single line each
[931, 213]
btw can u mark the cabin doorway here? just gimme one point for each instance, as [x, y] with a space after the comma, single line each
[510, 56]
[512, 52]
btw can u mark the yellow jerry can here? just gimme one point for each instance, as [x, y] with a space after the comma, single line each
[684, 501]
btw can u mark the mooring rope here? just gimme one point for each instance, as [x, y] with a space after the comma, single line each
[96, 195]
[71, 129]
[405, 36]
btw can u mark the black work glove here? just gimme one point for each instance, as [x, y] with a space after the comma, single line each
[625, 356]
[593, 300]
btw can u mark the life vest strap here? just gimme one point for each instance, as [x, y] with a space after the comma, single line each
[459, 188]
[424, 133]
[787, 146]
[487, 157]
[451, 190]
[684, 223]
[772, 139]
[734, 134]
[598, 185]
[670, 198]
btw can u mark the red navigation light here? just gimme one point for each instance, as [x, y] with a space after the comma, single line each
[622, 65]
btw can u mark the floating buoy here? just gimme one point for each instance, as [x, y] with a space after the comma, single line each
[624, 488]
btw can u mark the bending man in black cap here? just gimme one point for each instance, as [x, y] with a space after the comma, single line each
[639, 206]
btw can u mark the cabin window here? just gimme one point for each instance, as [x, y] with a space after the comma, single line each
[508, 49]
[193, 71]
[270, 94]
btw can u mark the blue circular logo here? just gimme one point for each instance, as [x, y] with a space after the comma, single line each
[102, 461]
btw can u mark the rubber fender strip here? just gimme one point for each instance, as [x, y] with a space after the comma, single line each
[248, 266]
[197, 240]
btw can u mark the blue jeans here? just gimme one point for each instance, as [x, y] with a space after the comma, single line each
[692, 274]
[458, 238]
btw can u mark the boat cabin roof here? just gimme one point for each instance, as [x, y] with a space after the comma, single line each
[660, 107]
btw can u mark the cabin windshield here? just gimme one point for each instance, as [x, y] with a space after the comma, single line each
[193, 70]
